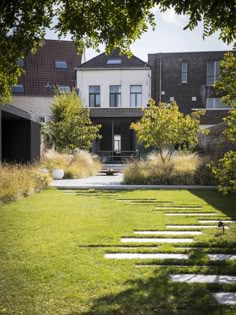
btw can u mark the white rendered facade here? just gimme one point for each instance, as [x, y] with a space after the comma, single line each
[125, 78]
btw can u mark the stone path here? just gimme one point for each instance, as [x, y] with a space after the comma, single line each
[193, 226]
[169, 232]
[227, 298]
[196, 278]
[198, 214]
[221, 256]
[155, 240]
[146, 256]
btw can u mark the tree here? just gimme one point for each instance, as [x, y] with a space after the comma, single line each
[225, 169]
[70, 127]
[114, 23]
[163, 127]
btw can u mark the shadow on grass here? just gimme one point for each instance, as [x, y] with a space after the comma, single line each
[157, 295]
[226, 204]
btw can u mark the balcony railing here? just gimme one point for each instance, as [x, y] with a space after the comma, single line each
[118, 157]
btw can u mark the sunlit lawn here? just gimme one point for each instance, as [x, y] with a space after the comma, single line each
[52, 255]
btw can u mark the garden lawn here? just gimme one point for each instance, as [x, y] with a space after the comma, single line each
[53, 244]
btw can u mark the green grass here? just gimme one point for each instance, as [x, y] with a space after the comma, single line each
[52, 248]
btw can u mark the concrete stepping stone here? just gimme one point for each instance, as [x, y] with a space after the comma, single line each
[133, 199]
[167, 266]
[155, 240]
[190, 213]
[145, 256]
[199, 278]
[193, 226]
[216, 221]
[221, 256]
[226, 298]
[178, 207]
[169, 232]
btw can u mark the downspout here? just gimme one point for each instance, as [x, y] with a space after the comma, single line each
[160, 79]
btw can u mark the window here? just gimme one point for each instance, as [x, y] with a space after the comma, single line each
[135, 95]
[184, 75]
[18, 88]
[94, 96]
[213, 70]
[61, 64]
[113, 61]
[64, 88]
[117, 143]
[21, 62]
[172, 99]
[214, 103]
[115, 95]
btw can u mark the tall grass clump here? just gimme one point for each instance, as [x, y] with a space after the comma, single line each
[78, 165]
[181, 169]
[18, 181]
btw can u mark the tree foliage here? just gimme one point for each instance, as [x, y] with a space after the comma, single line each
[164, 126]
[225, 169]
[70, 127]
[114, 23]
[225, 172]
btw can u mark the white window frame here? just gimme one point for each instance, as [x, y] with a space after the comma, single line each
[135, 94]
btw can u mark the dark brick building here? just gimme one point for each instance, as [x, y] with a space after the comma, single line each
[187, 78]
[52, 66]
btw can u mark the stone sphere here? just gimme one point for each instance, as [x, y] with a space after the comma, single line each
[57, 174]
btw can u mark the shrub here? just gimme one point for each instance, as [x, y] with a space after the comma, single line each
[182, 169]
[225, 172]
[78, 165]
[17, 181]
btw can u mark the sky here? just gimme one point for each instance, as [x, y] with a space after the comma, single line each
[168, 36]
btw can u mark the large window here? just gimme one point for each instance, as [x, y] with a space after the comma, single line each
[135, 95]
[213, 70]
[61, 64]
[115, 95]
[214, 103]
[184, 73]
[94, 96]
[64, 88]
[18, 88]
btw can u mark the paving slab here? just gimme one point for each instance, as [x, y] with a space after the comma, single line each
[190, 214]
[215, 221]
[146, 256]
[193, 226]
[169, 232]
[221, 256]
[155, 240]
[178, 207]
[167, 266]
[226, 298]
[197, 278]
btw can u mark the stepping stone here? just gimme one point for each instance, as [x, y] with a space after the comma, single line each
[133, 199]
[197, 278]
[149, 203]
[145, 256]
[193, 226]
[167, 266]
[190, 213]
[155, 240]
[169, 232]
[221, 256]
[178, 208]
[216, 221]
[227, 298]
